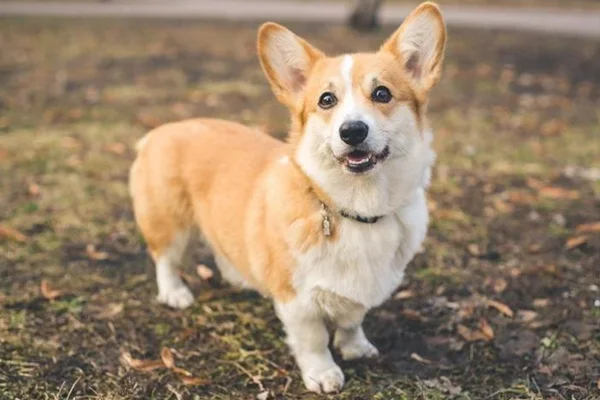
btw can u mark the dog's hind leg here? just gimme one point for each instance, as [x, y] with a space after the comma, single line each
[171, 289]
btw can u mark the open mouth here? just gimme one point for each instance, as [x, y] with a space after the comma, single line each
[358, 161]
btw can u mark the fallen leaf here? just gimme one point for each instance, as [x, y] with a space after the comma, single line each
[540, 303]
[503, 308]
[193, 381]
[204, 272]
[473, 249]
[502, 206]
[557, 193]
[469, 334]
[589, 227]
[141, 365]
[49, 293]
[575, 242]
[420, 359]
[167, 357]
[486, 329]
[180, 371]
[534, 248]
[93, 254]
[404, 294]
[112, 310]
[11, 234]
[526, 315]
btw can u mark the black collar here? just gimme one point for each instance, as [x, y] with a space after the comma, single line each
[360, 218]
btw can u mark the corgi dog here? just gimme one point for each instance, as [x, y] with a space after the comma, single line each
[325, 223]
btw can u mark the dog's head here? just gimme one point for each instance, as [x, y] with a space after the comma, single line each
[354, 114]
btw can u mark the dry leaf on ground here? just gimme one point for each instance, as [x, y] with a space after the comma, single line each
[541, 303]
[11, 234]
[167, 357]
[48, 292]
[526, 315]
[420, 359]
[575, 242]
[589, 227]
[556, 193]
[404, 294]
[486, 329]
[469, 334]
[193, 381]
[112, 310]
[503, 308]
[93, 254]
[141, 365]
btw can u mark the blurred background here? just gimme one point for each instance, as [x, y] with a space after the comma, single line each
[504, 302]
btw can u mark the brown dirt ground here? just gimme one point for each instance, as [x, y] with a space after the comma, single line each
[516, 120]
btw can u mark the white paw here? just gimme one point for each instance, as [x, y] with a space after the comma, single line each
[177, 297]
[328, 381]
[358, 349]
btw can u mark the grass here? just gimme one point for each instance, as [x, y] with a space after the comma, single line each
[513, 115]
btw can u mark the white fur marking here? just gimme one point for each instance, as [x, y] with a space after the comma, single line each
[171, 289]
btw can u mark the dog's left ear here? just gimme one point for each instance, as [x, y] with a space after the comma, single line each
[419, 43]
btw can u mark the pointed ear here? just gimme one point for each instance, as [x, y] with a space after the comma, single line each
[419, 43]
[286, 60]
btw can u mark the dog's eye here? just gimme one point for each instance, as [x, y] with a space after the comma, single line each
[327, 100]
[381, 94]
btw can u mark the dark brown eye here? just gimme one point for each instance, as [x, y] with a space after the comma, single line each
[381, 94]
[327, 100]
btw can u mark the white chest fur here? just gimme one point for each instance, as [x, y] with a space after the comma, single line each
[367, 261]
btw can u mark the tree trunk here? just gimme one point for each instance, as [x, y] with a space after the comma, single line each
[365, 15]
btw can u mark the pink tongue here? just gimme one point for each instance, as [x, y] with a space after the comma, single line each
[357, 156]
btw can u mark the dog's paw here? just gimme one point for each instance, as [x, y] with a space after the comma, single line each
[359, 348]
[328, 381]
[178, 297]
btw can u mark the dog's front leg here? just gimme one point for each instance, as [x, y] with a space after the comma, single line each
[308, 338]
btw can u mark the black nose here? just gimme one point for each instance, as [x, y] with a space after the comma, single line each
[354, 132]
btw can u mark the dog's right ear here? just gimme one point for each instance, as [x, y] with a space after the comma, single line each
[287, 61]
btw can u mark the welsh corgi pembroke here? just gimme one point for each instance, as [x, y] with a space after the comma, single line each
[324, 223]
